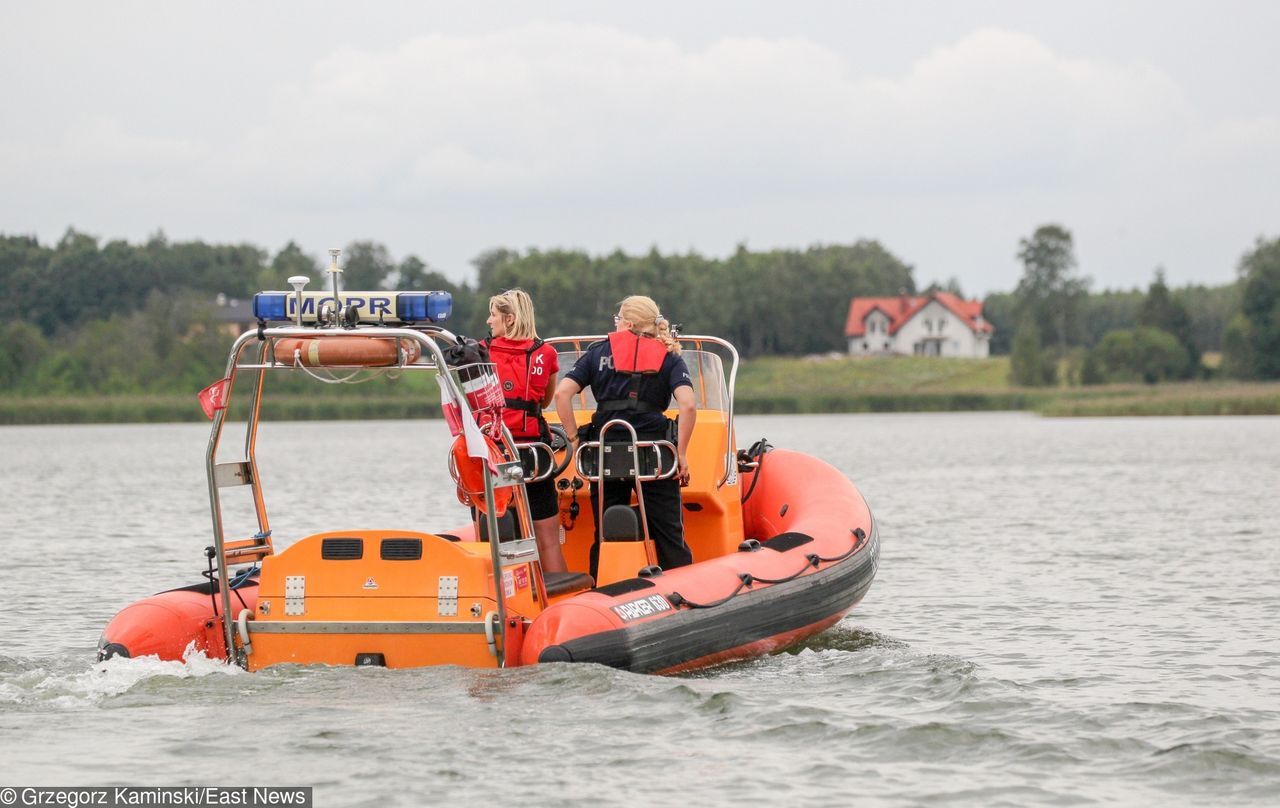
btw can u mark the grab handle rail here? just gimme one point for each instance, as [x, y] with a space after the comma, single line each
[602, 447]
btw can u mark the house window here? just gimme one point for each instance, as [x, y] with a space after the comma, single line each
[864, 346]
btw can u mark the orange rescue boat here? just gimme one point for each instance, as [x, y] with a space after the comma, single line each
[783, 545]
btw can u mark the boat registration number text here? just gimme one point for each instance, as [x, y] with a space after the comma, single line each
[642, 607]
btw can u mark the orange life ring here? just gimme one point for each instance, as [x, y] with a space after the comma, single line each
[364, 352]
[471, 475]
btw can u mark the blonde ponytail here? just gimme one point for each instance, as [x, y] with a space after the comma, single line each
[645, 318]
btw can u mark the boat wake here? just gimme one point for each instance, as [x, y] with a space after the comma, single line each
[846, 637]
[55, 684]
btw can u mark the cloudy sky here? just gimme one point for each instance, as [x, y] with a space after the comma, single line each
[945, 130]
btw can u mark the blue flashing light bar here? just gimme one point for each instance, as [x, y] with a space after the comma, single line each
[271, 305]
[416, 307]
[374, 307]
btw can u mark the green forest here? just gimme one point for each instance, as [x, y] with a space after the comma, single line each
[82, 318]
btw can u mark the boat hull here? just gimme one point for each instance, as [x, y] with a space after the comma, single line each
[170, 625]
[817, 564]
[750, 624]
[811, 554]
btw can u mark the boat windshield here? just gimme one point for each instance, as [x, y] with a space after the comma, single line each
[705, 369]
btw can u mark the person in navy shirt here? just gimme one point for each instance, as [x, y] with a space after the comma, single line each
[633, 375]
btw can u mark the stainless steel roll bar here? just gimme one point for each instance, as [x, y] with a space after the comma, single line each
[245, 472]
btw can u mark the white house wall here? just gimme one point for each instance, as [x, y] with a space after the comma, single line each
[957, 338]
[874, 338]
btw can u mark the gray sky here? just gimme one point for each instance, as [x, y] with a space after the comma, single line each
[945, 130]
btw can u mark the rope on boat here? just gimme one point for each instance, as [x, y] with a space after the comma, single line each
[678, 600]
[753, 456]
[746, 579]
[859, 534]
[233, 587]
[811, 560]
[211, 575]
[333, 378]
[241, 578]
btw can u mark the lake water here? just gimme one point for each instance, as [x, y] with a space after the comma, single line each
[1067, 612]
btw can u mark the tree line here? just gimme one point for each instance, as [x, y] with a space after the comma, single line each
[78, 316]
[81, 316]
[1061, 334]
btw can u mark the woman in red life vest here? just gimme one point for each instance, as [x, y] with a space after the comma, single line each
[527, 370]
[633, 375]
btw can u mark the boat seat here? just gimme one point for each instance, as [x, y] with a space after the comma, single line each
[621, 523]
[562, 583]
[506, 526]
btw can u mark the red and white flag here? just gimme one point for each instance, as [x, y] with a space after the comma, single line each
[457, 413]
[214, 397]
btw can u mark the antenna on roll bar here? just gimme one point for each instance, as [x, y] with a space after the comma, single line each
[329, 315]
[298, 282]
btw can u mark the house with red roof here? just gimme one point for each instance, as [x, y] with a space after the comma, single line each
[937, 324]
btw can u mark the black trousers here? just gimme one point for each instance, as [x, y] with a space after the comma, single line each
[665, 518]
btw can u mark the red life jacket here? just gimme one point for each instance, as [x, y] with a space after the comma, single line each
[522, 389]
[639, 357]
[633, 353]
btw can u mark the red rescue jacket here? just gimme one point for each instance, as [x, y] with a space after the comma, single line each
[633, 353]
[524, 370]
[641, 358]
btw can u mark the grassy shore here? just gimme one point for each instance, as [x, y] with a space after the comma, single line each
[176, 408]
[880, 384]
[772, 385]
[918, 384]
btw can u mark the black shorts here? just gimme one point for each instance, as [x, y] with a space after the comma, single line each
[542, 499]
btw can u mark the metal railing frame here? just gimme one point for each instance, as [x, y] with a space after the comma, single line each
[697, 343]
[428, 337]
